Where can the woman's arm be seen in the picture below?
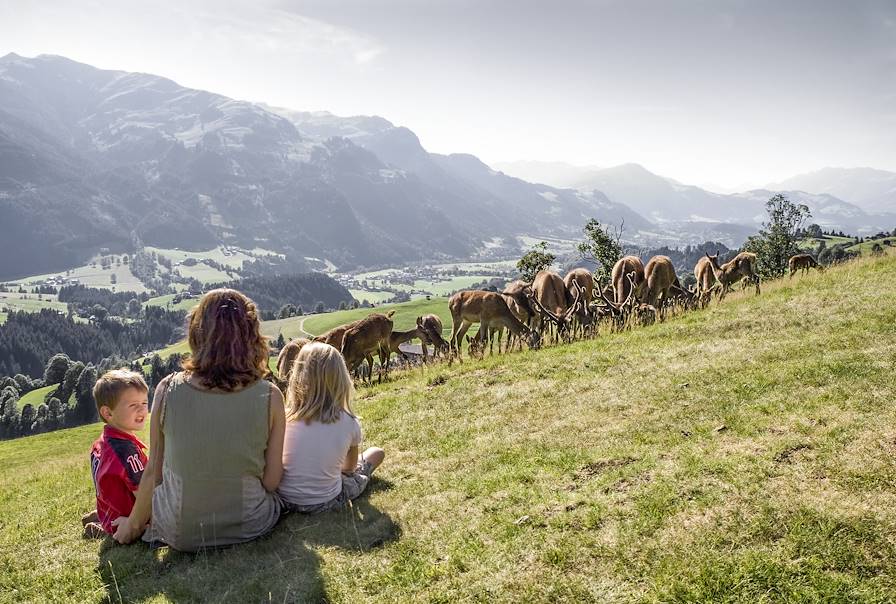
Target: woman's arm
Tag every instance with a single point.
(128, 529)
(273, 455)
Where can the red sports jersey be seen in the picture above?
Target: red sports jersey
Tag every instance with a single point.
(116, 460)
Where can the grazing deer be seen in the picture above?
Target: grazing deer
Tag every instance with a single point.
(582, 281)
(516, 295)
(549, 296)
(706, 279)
(394, 342)
(740, 268)
(488, 309)
(285, 359)
(366, 337)
(659, 277)
(618, 311)
(625, 266)
(430, 327)
(803, 262)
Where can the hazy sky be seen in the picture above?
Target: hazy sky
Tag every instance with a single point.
(734, 93)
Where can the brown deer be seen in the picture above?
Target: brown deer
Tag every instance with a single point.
(740, 268)
(431, 333)
(516, 295)
(394, 342)
(285, 359)
(627, 265)
(803, 262)
(659, 277)
(365, 338)
(618, 311)
(582, 281)
(549, 296)
(706, 279)
(488, 309)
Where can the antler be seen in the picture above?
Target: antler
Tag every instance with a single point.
(544, 310)
(575, 303)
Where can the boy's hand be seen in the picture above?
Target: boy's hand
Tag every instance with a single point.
(124, 532)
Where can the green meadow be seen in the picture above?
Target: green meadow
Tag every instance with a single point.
(742, 453)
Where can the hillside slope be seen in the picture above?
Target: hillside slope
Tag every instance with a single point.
(742, 453)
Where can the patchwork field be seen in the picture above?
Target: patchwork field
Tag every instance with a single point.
(95, 276)
(743, 453)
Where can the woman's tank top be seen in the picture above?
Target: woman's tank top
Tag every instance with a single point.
(211, 492)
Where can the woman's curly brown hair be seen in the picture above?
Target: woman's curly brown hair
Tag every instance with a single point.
(227, 350)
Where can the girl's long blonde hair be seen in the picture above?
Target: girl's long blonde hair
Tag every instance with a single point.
(320, 386)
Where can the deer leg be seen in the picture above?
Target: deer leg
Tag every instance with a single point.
(464, 327)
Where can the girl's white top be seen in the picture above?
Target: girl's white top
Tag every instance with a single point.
(313, 455)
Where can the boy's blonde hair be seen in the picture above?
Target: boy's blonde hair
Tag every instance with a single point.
(110, 385)
(320, 386)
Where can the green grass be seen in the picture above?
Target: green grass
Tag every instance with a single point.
(165, 302)
(373, 297)
(13, 302)
(3, 317)
(36, 397)
(743, 453)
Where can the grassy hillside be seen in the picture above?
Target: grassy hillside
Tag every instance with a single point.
(744, 453)
(405, 316)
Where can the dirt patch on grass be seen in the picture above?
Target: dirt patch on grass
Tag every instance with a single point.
(596, 468)
(787, 454)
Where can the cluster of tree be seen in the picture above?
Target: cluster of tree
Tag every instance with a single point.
(82, 300)
(272, 292)
(28, 339)
(779, 237)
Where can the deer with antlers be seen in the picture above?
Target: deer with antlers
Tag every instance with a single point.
(550, 298)
(581, 281)
(627, 274)
(488, 309)
(803, 262)
(740, 268)
(366, 337)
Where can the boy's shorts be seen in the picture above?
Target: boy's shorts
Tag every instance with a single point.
(352, 486)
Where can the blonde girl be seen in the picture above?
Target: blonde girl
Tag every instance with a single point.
(321, 467)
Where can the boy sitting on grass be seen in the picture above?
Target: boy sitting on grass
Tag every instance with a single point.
(117, 458)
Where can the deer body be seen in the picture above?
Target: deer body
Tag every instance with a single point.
(285, 359)
(741, 267)
(489, 310)
(394, 342)
(622, 286)
(659, 276)
(802, 262)
(706, 279)
(366, 337)
(430, 327)
(550, 297)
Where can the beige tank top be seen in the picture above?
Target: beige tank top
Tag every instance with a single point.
(211, 492)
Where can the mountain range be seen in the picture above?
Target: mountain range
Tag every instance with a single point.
(858, 200)
(93, 159)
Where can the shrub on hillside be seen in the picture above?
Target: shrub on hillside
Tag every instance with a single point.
(779, 237)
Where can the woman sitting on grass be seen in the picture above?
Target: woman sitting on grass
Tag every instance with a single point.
(322, 470)
(216, 437)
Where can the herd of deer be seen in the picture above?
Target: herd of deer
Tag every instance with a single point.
(551, 307)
